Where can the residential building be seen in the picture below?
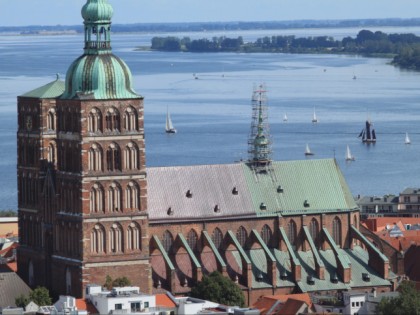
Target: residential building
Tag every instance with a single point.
(374, 206)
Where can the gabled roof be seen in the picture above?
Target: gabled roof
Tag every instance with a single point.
(162, 300)
(228, 190)
(50, 90)
(84, 305)
(11, 286)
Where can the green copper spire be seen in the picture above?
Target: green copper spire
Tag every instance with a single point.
(98, 74)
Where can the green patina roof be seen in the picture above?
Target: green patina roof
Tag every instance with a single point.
(319, 182)
(50, 90)
(97, 11)
(99, 77)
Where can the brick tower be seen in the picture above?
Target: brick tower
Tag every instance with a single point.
(88, 216)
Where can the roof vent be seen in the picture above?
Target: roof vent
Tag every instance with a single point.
(283, 275)
(189, 193)
(260, 277)
(234, 191)
(306, 204)
(263, 206)
(170, 211)
(279, 189)
(366, 277)
(334, 278)
(216, 209)
(311, 280)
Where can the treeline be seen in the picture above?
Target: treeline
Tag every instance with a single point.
(404, 48)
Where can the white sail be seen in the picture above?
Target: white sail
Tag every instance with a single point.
(407, 139)
(349, 157)
(169, 126)
(314, 119)
(285, 117)
(308, 150)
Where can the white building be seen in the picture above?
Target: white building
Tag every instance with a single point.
(124, 300)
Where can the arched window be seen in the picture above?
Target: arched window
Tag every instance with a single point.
(192, 239)
(355, 221)
(68, 281)
(95, 120)
(291, 232)
(114, 198)
(115, 239)
(133, 236)
(336, 231)
(217, 237)
(95, 158)
(51, 119)
(132, 195)
(242, 235)
(97, 240)
(130, 119)
(52, 153)
(112, 120)
(131, 157)
(167, 241)
(113, 159)
(314, 230)
(266, 234)
(96, 199)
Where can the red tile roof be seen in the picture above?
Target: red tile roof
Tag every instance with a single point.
(379, 224)
(292, 306)
(162, 300)
(83, 304)
(265, 303)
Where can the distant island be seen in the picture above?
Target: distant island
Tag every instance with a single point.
(403, 48)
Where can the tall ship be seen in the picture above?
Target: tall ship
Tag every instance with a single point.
(368, 134)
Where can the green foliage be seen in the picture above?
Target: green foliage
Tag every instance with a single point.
(40, 296)
(408, 302)
(22, 301)
(118, 282)
(219, 289)
(8, 213)
(121, 282)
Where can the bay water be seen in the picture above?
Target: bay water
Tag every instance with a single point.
(213, 113)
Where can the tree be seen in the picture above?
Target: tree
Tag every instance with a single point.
(40, 296)
(22, 301)
(219, 289)
(121, 282)
(108, 282)
(408, 302)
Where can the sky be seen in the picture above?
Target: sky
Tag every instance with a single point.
(67, 12)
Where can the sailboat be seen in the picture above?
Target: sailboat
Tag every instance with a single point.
(368, 134)
(314, 119)
(308, 151)
(169, 127)
(349, 156)
(407, 139)
(285, 117)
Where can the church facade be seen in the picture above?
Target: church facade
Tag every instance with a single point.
(89, 207)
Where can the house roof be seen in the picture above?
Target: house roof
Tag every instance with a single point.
(291, 306)
(50, 90)
(229, 190)
(163, 300)
(275, 304)
(11, 286)
(381, 223)
(84, 305)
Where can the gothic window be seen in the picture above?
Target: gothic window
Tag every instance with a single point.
(95, 158)
(336, 231)
(217, 238)
(96, 199)
(132, 196)
(51, 119)
(130, 119)
(133, 237)
(241, 235)
(192, 239)
(115, 238)
(266, 234)
(131, 157)
(114, 198)
(291, 232)
(52, 153)
(355, 221)
(113, 159)
(31, 278)
(68, 281)
(167, 241)
(95, 120)
(97, 240)
(112, 120)
(314, 230)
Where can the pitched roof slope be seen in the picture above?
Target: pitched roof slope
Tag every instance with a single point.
(229, 190)
(11, 286)
(50, 90)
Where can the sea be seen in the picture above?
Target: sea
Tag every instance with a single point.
(209, 98)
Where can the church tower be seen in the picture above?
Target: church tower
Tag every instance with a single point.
(98, 224)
